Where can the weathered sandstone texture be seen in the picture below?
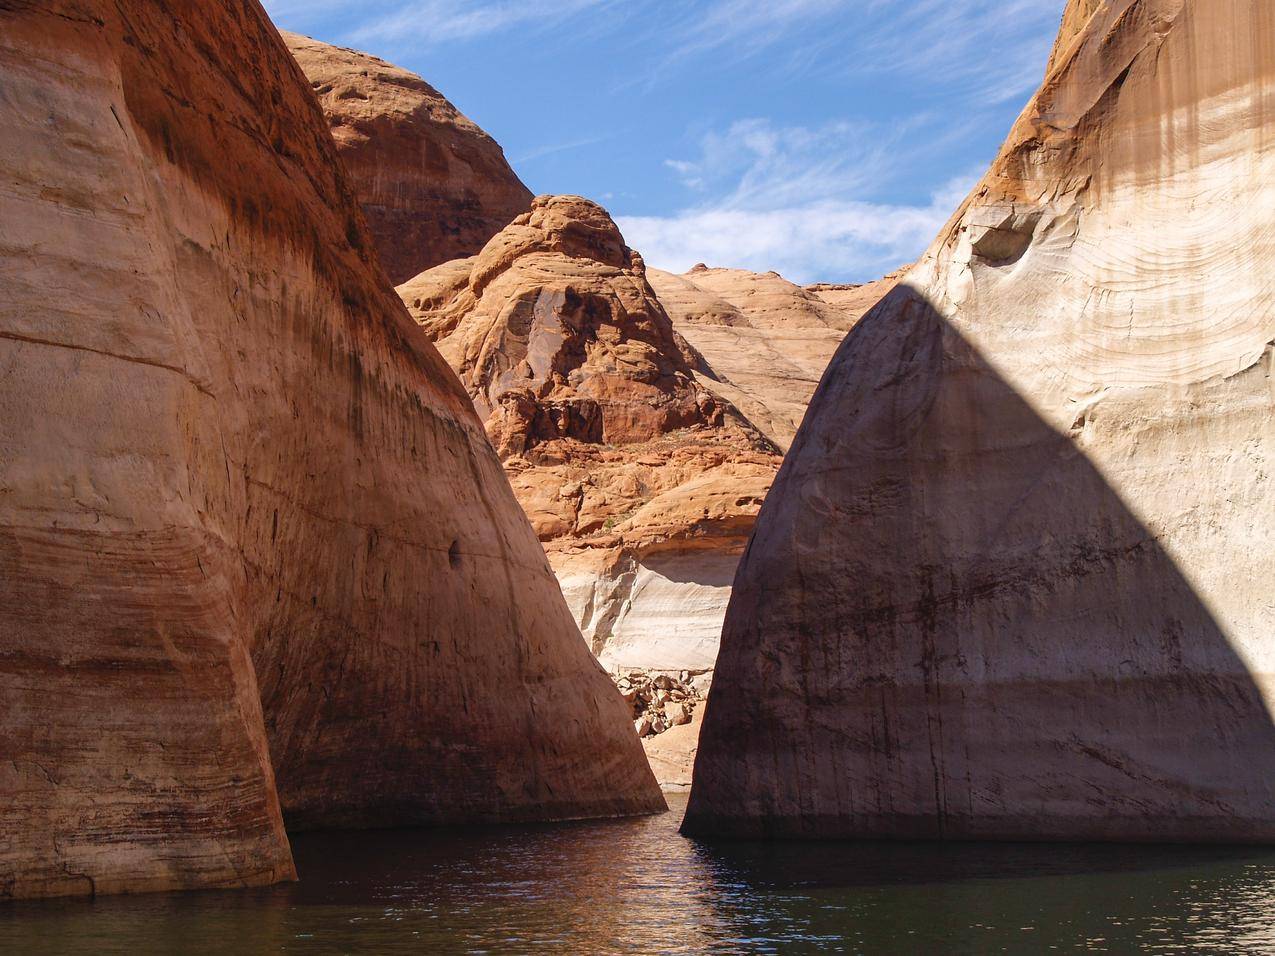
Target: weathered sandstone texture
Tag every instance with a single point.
(258, 560)
(765, 341)
(642, 484)
(433, 185)
(1012, 581)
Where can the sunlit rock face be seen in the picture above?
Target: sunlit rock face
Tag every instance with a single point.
(765, 341)
(1010, 580)
(432, 184)
(258, 561)
(641, 482)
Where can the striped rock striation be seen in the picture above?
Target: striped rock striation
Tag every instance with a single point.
(1009, 583)
(433, 185)
(258, 561)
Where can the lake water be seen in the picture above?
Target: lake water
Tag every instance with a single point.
(636, 886)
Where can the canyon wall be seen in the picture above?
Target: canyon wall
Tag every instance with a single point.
(645, 538)
(433, 185)
(1010, 581)
(258, 560)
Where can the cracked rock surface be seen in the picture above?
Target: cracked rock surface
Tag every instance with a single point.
(640, 481)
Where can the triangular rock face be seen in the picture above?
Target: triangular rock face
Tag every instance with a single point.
(1009, 582)
(258, 560)
(642, 484)
(433, 185)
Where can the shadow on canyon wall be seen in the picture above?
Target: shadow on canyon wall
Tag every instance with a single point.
(705, 567)
(949, 625)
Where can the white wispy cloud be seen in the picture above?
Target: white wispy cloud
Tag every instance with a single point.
(550, 149)
(989, 50)
(428, 22)
(941, 41)
(789, 199)
(801, 200)
(754, 163)
(918, 42)
(743, 27)
(814, 241)
(437, 21)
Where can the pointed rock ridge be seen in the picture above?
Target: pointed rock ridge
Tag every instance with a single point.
(765, 341)
(641, 483)
(433, 185)
(1076, 17)
(1004, 585)
(258, 560)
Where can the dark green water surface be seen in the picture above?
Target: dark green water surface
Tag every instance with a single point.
(636, 886)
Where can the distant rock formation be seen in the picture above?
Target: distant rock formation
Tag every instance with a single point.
(766, 341)
(1012, 579)
(642, 484)
(433, 185)
(624, 443)
(258, 560)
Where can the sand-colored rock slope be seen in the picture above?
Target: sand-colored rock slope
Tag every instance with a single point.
(433, 185)
(765, 341)
(642, 484)
(1013, 578)
(258, 560)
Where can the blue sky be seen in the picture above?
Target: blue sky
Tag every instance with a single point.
(825, 139)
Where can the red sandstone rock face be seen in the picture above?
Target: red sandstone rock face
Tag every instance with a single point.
(641, 482)
(558, 336)
(433, 185)
(1004, 584)
(258, 560)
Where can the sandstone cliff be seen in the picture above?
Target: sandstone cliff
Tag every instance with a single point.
(258, 560)
(765, 341)
(433, 185)
(1009, 582)
(641, 483)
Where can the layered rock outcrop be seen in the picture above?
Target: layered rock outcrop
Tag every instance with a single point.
(433, 185)
(765, 341)
(641, 483)
(1008, 582)
(258, 560)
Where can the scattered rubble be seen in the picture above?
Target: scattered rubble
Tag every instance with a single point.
(661, 700)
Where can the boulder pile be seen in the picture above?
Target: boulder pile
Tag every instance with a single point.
(661, 700)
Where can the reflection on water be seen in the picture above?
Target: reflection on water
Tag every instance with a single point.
(636, 886)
